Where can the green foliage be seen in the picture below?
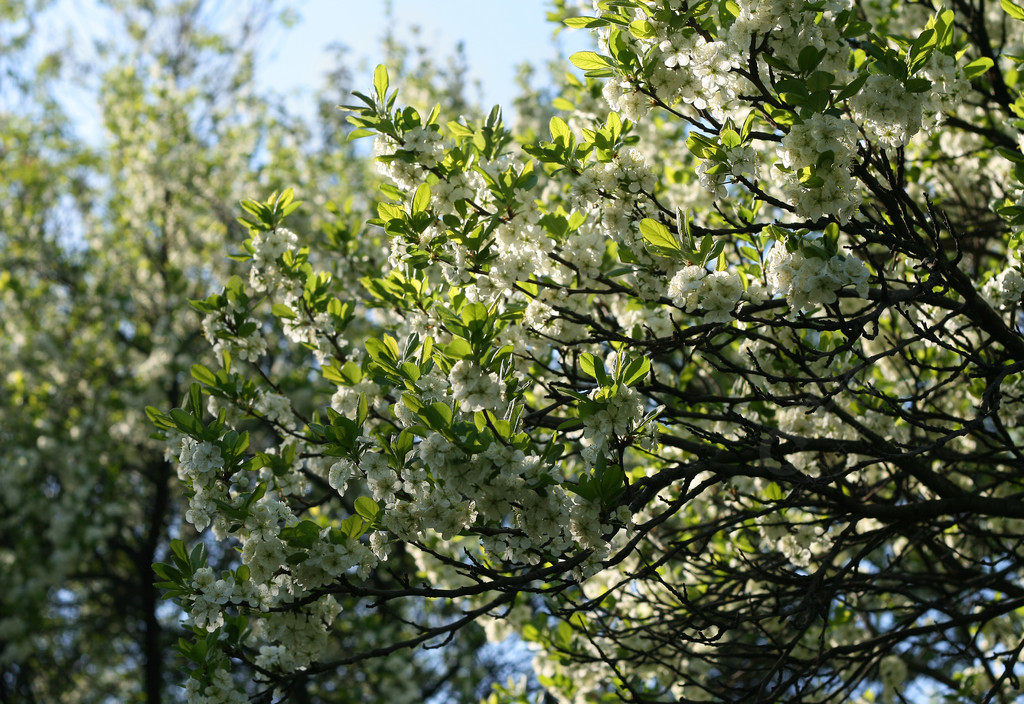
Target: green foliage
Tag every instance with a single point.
(747, 408)
(265, 217)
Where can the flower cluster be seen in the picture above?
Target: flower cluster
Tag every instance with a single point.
(826, 145)
(717, 293)
(474, 389)
(618, 410)
(1005, 289)
(808, 281)
(267, 249)
(221, 331)
(221, 690)
(627, 99)
(407, 163)
(198, 465)
(891, 114)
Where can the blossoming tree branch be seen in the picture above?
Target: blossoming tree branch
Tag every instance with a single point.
(709, 392)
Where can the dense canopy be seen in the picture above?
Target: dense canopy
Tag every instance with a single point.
(701, 381)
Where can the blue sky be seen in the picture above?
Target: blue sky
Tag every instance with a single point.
(498, 35)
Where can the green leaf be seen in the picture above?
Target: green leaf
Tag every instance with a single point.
(195, 397)
(302, 535)
(584, 22)
(635, 371)
(976, 68)
(426, 350)
(944, 28)
(925, 40)
(392, 346)
(286, 197)
(781, 116)
(197, 558)
(421, 201)
(700, 146)
(773, 492)
(186, 423)
(559, 130)
(576, 220)
(438, 416)
(748, 126)
(367, 508)
(1010, 154)
(165, 571)
(611, 483)
(853, 87)
(808, 179)
(410, 370)
(203, 375)
(459, 348)
(377, 350)
(590, 61)
(389, 211)
(820, 80)
(353, 526)
(919, 85)
(280, 310)
(258, 493)
(1012, 9)
(412, 403)
(362, 409)
(642, 29)
(658, 235)
(380, 81)
(730, 139)
(592, 366)
(856, 28)
(351, 373)
(475, 316)
(809, 58)
(499, 354)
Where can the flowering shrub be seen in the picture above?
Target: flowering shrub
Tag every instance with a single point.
(729, 423)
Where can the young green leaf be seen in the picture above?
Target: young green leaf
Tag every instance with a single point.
(1012, 9)
(635, 371)
(421, 201)
(380, 82)
(367, 508)
(658, 235)
(590, 61)
(977, 67)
